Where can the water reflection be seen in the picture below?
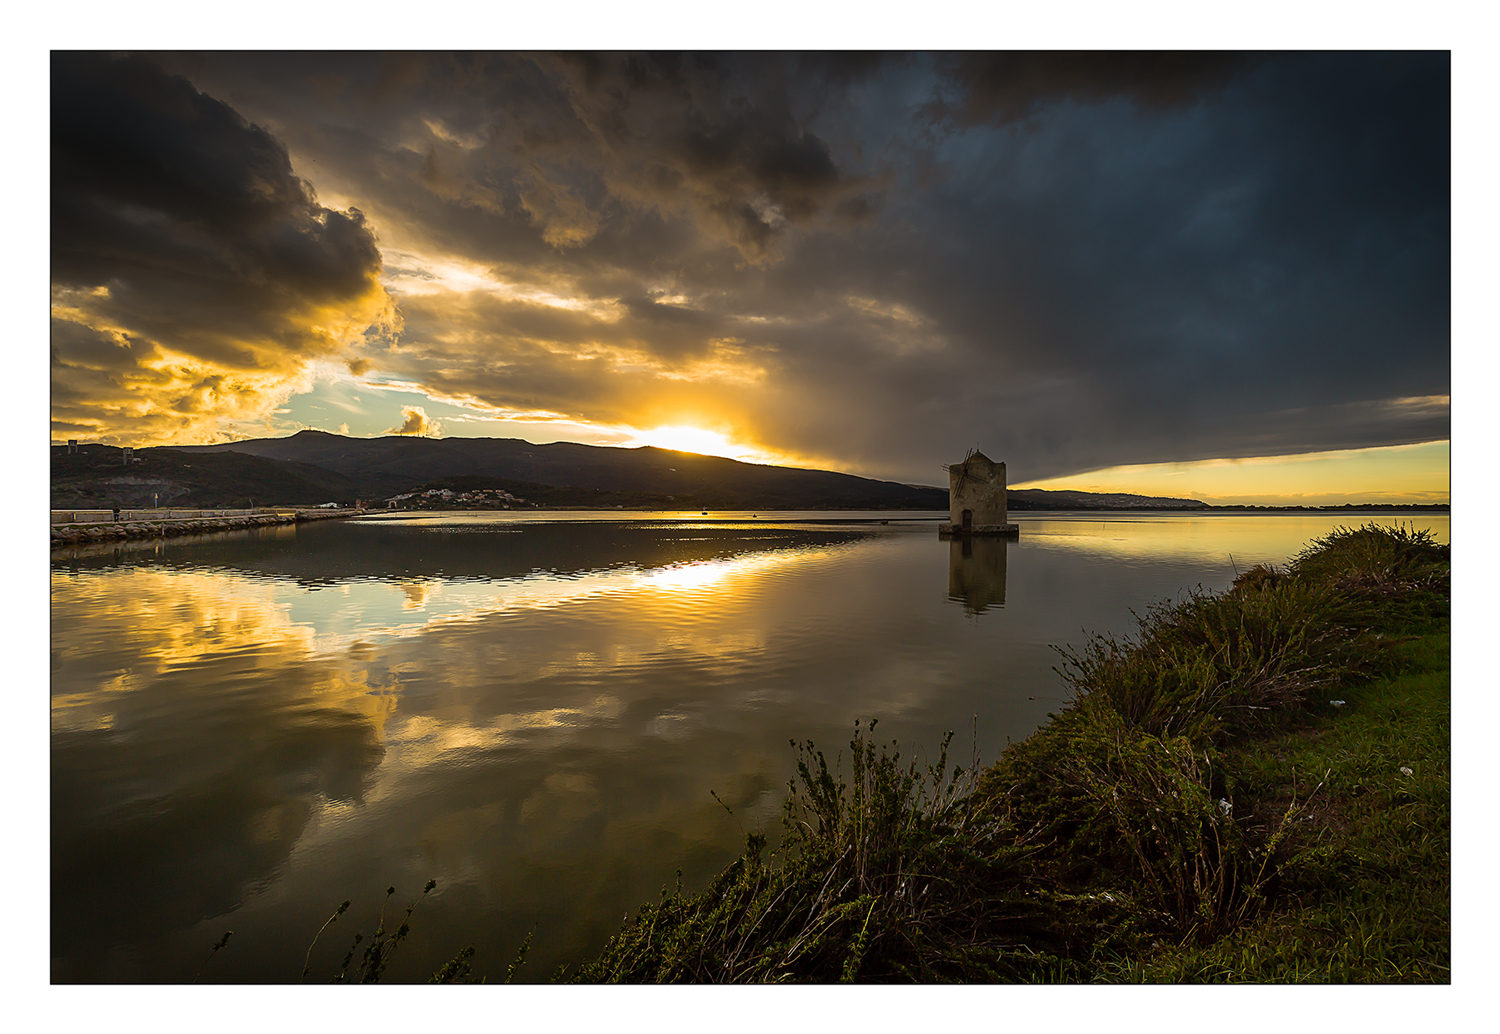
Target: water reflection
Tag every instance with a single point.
(182, 777)
(533, 716)
(219, 727)
(334, 553)
(976, 572)
(1250, 539)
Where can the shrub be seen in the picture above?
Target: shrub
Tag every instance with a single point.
(1372, 553)
(1258, 577)
(1399, 573)
(893, 875)
(1213, 665)
(1140, 821)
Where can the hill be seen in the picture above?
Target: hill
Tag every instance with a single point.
(96, 477)
(1044, 499)
(384, 467)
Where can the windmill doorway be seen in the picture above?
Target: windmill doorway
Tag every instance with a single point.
(968, 520)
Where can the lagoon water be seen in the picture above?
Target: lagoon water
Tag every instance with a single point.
(530, 709)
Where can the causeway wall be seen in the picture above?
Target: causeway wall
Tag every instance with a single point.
(86, 526)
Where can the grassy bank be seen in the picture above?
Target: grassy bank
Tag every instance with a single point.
(1363, 889)
(1253, 787)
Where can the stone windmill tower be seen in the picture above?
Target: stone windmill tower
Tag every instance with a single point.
(976, 497)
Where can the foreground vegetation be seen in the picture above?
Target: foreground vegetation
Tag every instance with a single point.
(1252, 788)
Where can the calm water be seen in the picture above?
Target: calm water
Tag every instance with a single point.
(248, 729)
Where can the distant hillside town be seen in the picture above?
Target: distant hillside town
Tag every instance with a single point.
(443, 498)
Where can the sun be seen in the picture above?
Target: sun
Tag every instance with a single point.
(684, 438)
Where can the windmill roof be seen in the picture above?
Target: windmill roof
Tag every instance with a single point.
(977, 455)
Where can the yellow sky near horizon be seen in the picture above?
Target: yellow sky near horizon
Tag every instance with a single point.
(1418, 473)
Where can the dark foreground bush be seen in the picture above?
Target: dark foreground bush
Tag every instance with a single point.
(1399, 557)
(1221, 664)
(1146, 824)
(1401, 573)
(893, 875)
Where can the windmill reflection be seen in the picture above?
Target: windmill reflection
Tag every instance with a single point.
(976, 572)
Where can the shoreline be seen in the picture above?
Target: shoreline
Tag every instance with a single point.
(89, 532)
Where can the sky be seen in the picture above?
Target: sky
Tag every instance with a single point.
(1222, 276)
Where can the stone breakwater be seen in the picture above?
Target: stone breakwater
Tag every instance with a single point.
(71, 534)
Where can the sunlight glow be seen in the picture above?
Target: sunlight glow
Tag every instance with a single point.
(685, 438)
(412, 275)
(690, 577)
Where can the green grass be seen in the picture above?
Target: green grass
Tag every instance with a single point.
(1363, 889)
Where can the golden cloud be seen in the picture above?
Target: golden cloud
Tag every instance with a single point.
(194, 276)
(414, 421)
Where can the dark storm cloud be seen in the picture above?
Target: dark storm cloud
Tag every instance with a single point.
(1075, 260)
(1232, 279)
(1002, 88)
(694, 129)
(550, 151)
(652, 311)
(178, 225)
(149, 175)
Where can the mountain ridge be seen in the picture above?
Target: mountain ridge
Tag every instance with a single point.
(312, 466)
(394, 463)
